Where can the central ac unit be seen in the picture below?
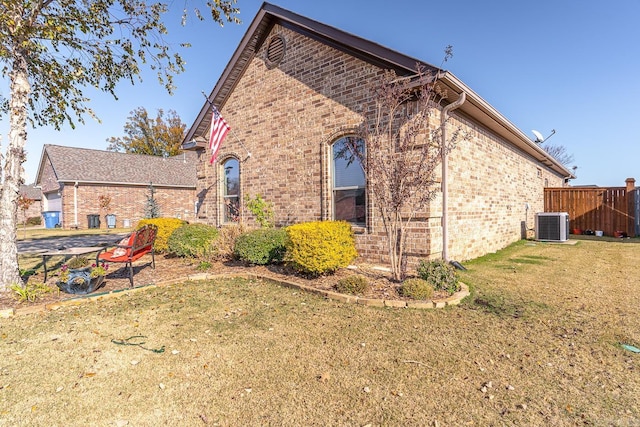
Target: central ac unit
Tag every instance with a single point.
(552, 226)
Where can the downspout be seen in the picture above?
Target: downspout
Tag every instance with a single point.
(75, 204)
(443, 123)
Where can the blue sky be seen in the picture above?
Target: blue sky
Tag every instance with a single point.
(568, 65)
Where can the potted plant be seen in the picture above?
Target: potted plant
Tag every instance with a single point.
(79, 276)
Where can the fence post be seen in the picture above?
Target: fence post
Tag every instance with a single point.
(631, 206)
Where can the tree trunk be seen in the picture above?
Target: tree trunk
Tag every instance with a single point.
(15, 156)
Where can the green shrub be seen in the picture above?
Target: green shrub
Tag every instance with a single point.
(354, 285)
(416, 289)
(320, 247)
(166, 226)
(441, 275)
(262, 246)
(192, 240)
(34, 220)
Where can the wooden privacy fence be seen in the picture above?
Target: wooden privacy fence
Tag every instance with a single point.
(610, 209)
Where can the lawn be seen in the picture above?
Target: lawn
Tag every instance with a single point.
(537, 343)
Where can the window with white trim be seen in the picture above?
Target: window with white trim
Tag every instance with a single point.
(230, 190)
(349, 183)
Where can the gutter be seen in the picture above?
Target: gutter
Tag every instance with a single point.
(443, 124)
(518, 138)
(75, 203)
(133, 184)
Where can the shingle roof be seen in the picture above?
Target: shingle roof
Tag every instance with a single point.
(31, 192)
(72, 164)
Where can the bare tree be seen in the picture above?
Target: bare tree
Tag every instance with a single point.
(559, 152)
(400, 154)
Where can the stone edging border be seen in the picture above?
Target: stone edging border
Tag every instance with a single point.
(454, 299)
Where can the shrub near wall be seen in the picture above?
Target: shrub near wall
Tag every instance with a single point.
(440, 274)
(261, 247)
(192, 240)
(166, 226)
(320, 247)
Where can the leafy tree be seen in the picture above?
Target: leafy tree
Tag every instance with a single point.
(145, 135)
(559, 152)
(402, 149)
(50, 51)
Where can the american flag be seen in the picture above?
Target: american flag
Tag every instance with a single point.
(219, 129)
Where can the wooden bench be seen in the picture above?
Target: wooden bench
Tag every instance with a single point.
(132, 248)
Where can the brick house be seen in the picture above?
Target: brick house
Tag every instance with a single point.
(35, 209)
(295, 87)
(72, 180)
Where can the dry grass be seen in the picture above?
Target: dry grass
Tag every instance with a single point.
(536, 344)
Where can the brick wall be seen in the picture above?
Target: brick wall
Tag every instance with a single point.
(48, 181)
(490, 186)
(35, 210)
(288, 116)
(127, 202)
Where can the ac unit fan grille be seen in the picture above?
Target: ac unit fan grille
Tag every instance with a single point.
(552, 226)
(549, 227)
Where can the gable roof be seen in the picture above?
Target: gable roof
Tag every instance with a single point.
(269, 15)
(72, 164)
(31, 192)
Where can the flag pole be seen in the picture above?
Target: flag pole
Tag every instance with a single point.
(231, 131)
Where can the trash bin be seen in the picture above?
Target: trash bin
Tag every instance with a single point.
(111, 220)
(51, 219)
(93, 221)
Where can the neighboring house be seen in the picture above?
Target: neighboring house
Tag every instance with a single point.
(73, 179)
(295, 87)
(35, 210)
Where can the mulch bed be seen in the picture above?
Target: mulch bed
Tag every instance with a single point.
(171, 268)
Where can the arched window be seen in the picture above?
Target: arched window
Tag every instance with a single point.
(349, 183)
(230, 190)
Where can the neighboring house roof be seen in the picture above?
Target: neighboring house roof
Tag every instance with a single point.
(31, 192)
(72, 164)
(270, 15)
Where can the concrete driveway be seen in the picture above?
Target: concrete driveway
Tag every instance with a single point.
(53, 243)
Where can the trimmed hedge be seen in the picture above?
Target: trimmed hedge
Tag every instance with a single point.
(261, 247)
(320, 247)
(166, 227)
(192, 240)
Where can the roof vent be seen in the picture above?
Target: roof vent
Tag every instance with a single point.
(275, 51)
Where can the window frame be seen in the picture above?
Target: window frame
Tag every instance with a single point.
(335, 189)
(226, 216)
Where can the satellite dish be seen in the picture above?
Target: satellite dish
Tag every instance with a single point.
(539, 137)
